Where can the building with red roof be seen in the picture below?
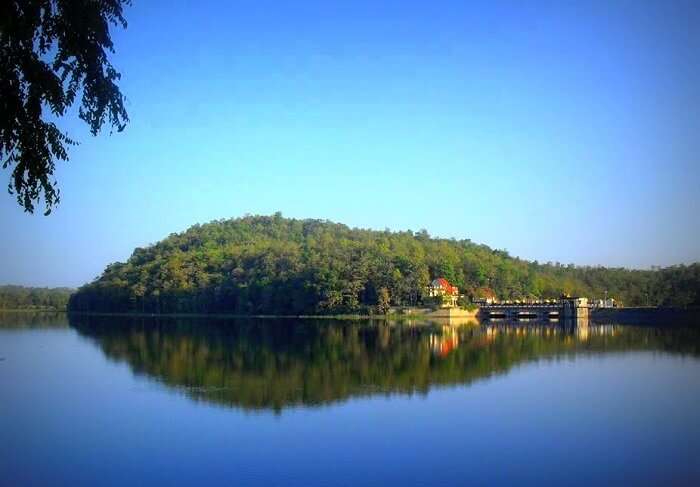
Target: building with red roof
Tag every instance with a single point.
(442, 287)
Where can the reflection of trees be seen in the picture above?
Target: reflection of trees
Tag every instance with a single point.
(277, 363)
(32, 319)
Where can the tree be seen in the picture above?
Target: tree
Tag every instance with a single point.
(383, 301)
(19, 297)
(51, 52)
(276, 265)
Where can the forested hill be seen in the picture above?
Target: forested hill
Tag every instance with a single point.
(276, 265)
(35, 298)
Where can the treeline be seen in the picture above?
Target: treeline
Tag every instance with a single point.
(39, 298)
(276, 265)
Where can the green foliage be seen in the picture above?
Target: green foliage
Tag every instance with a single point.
(51, 51)
(433, 301)
(463, 303)
(383, 301)
(38, 298)
(274, 265)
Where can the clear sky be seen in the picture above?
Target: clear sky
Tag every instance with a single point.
(560, 131)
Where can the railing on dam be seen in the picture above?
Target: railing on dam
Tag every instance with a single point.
(568, 308)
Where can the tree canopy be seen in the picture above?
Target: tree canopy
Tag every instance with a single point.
(275, 265)
(39, 298)
(52, 52)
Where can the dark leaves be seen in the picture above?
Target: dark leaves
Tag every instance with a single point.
(51, 52)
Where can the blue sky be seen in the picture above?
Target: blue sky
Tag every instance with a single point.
(560, 131)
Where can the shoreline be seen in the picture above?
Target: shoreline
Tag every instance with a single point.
(25, 310)
(396, 317)
(641, 316)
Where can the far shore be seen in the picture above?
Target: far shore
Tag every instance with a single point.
(392, 316)
(642, 316)
(36, 310)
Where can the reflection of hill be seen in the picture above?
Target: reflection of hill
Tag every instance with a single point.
(32, 319)
(278, 363)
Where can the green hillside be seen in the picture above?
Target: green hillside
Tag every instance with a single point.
(276, 265)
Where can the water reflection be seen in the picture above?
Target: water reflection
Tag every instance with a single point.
(273, 364)
(23, 320)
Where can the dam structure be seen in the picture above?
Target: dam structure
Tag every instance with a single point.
(565, 308)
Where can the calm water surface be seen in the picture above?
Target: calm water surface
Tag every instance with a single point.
(126, 401)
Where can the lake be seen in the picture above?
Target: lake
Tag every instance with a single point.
(90, 400)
